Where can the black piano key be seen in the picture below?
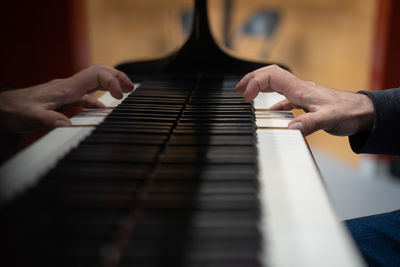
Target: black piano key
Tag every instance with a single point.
(198, 233)
(207, 172)
(180, 154)
(212, 154)
(192, 186)
(115, 153)
(212, 140)
(114, 171)
(225, 202)
(123, 138)
(134, 128)
(136, 124)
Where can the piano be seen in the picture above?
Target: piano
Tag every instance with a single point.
(181, 172)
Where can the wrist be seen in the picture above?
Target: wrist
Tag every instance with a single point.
(365, 114)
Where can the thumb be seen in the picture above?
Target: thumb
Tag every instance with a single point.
(50, 119)
(307, 123)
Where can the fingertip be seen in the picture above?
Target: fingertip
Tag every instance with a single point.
(99, 104)
(251, 91)
(127, 86)
(130, 87)
(243, 83)
(117, 95)
(239, 87)
(246, 97)
(298, 125)
(61, 123)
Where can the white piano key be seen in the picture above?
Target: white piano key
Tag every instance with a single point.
(25, 169)
(92, 117)
(266, 100)
(108, 100)
(299, 223)
(270, 119)
(272, 122)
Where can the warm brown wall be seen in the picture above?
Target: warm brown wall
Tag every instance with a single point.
(41, 40)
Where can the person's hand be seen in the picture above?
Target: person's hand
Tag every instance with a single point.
(22, 110)
(337, 112)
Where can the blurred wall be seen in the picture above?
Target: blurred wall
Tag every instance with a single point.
(328, 41)
(121, 30)
(41, 40)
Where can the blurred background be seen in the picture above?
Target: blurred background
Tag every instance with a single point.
(338, 43)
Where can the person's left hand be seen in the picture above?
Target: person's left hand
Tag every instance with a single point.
(23, 110)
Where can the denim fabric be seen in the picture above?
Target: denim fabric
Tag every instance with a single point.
(378, 238)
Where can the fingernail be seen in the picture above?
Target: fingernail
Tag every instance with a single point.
(60, 123)
(296, 126)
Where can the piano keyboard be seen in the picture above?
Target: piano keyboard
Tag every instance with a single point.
(179, 174)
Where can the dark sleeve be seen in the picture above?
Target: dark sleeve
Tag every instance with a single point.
(384, 138)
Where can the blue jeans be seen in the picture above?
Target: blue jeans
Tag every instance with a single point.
(378, 238)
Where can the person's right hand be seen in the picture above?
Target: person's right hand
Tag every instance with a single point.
(23, 110)
(337, 112)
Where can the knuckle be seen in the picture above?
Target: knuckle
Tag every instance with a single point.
(311, 83)
(300, 95)
(274, 67)
(97, 65)
(249, 75)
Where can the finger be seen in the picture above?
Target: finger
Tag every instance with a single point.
(252, 90)
(107, 81)
(242, 84)
(274, 78)
(307, 123)
(49, 119)
(88, 101)
(283, 105)
(126, 84)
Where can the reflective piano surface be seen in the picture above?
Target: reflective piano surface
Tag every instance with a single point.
(298, 225)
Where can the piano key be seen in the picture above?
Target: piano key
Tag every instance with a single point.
(115, 153)
(213, 140)
(195, 174)
(209, 172)
(205, 187)
(206, 202)
(101, 171)
(124, 138)
(201, 218)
